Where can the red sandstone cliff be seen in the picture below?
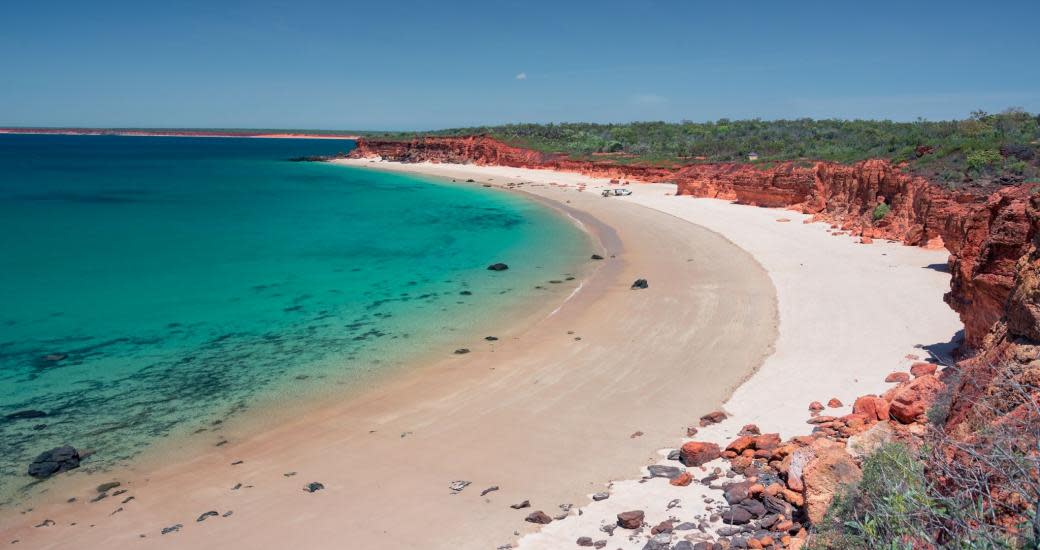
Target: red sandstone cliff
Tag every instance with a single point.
(985, 234)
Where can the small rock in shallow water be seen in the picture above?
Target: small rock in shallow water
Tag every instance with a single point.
(56, 460)
(597, 257)
(313, 486)
(26, 414)
(461, 351)
(491, 338)
(498, 267)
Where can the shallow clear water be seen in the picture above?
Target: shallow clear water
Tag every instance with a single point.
(181, 280)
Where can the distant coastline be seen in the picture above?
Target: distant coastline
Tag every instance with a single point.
(177, 133)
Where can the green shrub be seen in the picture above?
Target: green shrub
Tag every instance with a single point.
(891, 507)
(983, 159)
(880, 211)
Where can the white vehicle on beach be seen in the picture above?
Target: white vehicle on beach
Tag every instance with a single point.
(616, 192)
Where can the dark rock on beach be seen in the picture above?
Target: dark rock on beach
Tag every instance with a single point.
(171, 529)
(538, 517)
(630, 520)
(524, 504)
(462, 351)
(210, 514)
(640, 284)
(56, 460)
(107, 486)
(498, 267)
(597, 257)
(313, 487)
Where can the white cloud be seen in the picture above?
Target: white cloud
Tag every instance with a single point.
(521, 76)
(649, 99)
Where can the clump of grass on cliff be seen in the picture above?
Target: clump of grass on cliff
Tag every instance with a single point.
(880, 211)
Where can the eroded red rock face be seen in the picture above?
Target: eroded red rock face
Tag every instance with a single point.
(985, 234)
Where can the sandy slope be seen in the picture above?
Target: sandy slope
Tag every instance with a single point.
(546, 414)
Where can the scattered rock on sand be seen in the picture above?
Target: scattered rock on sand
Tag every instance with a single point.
(524, 504)
(632, 519)
(696, 453)
(498, 267)
(488, 490)
(491, 338)
(458, 485)
(171, 529)
(107, 486)
(713, 417)
(600, 496)
(313, 486)
(682, 480)
(597, 257)
(210, 514)
(538, 517)
(834, 403)
(461, 351)
(584, 541)
(921, 369)
(669, 472)
(897, 377)
(640, 284)
(56, 460)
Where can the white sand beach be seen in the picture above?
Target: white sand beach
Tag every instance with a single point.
(741, 309)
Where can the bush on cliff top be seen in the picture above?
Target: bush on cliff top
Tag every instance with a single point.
(932, 148)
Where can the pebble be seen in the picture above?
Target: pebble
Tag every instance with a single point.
(313, 486)
(600, 496)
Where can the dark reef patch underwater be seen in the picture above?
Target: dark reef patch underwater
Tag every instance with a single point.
(150, 287)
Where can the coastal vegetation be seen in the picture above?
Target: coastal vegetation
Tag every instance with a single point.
(1002, 148)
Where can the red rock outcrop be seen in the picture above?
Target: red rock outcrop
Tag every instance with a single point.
(985, 234)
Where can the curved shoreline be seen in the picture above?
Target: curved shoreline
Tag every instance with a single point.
(547, 416)
(849, 313)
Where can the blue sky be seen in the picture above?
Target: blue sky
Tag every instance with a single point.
(420, 65)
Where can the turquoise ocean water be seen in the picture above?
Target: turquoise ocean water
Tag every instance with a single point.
(149, 286)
